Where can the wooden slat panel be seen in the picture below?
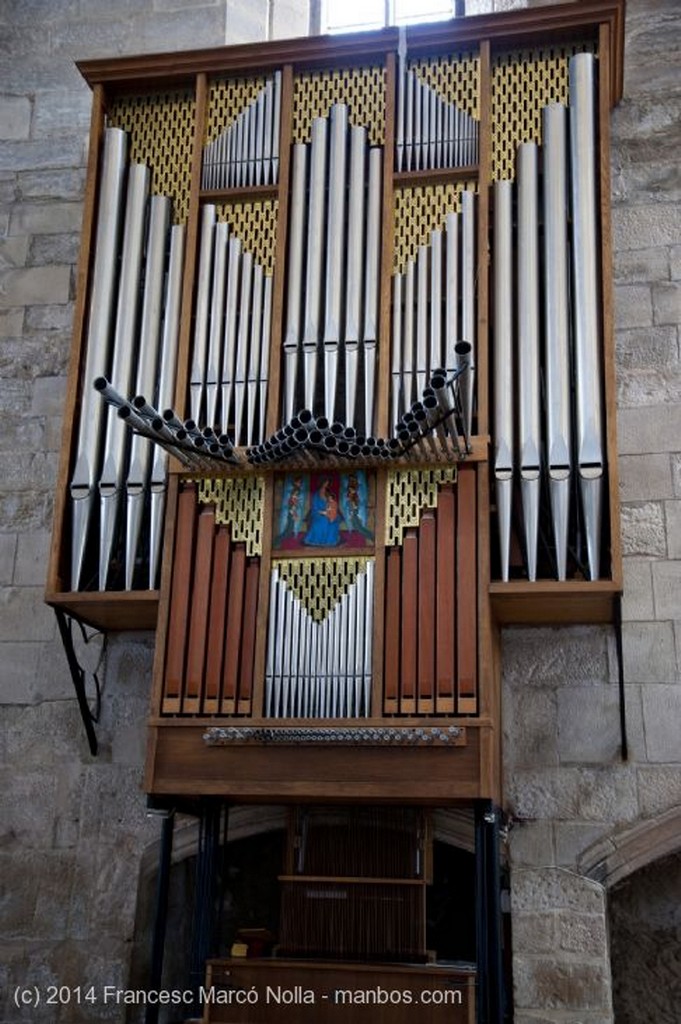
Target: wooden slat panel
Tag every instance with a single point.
(198, 612)
(466, 595)
(216, 621)
(392, 632)
(445, 628)
(179, 599)
(410, 556)
(426, 614)
(244, 705)
(235, 607)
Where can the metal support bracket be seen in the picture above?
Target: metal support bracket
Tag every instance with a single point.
(78, 674)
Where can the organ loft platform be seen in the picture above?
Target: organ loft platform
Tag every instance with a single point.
(342, 394)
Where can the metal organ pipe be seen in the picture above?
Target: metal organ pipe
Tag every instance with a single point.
(314, 252)
(588, 387)
(335, 253)
(98, 342)
(166, 387)
(125, 337)
(295, 275)
(556, 327)
(355, 261)
(503, 365)
(198, 371)
(150, 337)
(528, 350)
(372, 282)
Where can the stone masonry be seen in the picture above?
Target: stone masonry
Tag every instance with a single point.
(73, 827)
(566, 786)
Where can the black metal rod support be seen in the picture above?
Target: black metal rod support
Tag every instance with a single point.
(490, 992)
(161, 915)
(78, 677)
(624, 744)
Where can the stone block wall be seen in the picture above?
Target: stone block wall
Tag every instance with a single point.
(72, 827)
(566, 786)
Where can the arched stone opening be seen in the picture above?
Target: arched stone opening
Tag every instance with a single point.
(640, 867)
(644, 915)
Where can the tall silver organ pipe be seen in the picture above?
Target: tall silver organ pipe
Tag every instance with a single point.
(371, 284)
(149, 343)
(329, 674)
(98, 340)
(528, 349)
(588, 384)
(557, 370)
(295, 276)
(331, 319)
(216, 329)
(503, 365)
(335, 254)
(247, 151)
(125, 338)
(166, 389)
(354, 276)
(468, 276)
(230, 328)
(314, 261)
(197, 380)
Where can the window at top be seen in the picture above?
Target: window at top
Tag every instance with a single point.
(361, 15)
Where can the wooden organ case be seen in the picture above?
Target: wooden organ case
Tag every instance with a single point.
(347, 304)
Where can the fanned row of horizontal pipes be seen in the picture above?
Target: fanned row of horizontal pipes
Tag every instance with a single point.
(567, 287)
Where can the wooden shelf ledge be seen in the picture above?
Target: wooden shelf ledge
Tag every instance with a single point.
(550, 602)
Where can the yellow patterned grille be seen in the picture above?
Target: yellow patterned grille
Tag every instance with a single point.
(239, 504)
(523, 82)
(226, 99)
(161, 130)
(455, 78)
(418, 212)
(319, 583)
(255, 223)
(408, 493)
(362, 89)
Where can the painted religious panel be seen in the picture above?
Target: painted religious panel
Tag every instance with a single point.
(324, 511)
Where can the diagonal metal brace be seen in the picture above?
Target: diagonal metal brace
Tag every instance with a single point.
(89, 717)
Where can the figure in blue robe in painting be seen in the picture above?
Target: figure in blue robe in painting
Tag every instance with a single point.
(325, 518)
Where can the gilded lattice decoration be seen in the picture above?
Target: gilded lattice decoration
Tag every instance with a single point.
(455, 78)
(523, 82)
(227, 97)
(408, 493)
(418, 212)
(239, 504)
(319, 583)
(255, 223)
(362, 89)
(161, 130)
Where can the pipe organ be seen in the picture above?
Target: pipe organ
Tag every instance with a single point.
(342, 393)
